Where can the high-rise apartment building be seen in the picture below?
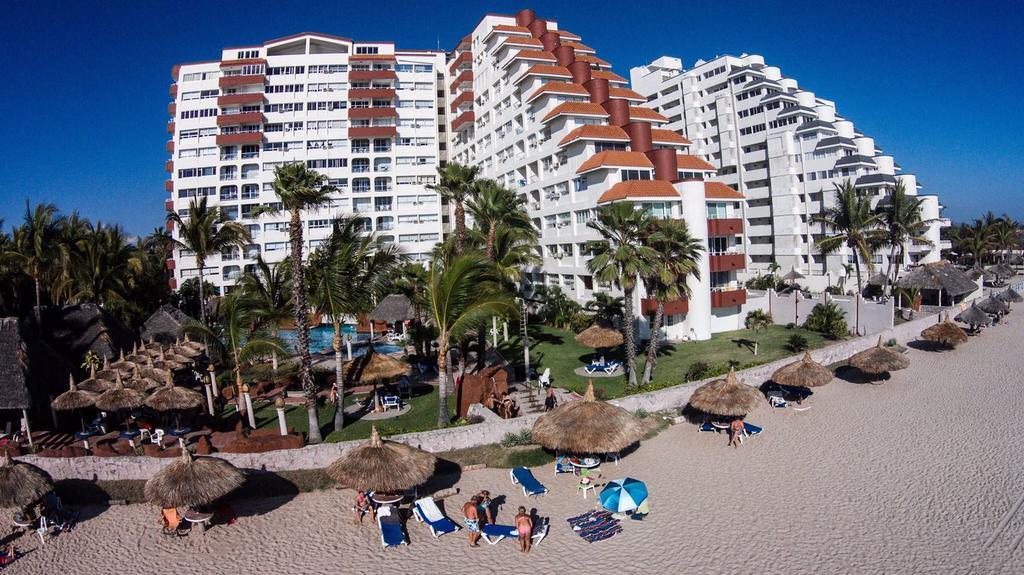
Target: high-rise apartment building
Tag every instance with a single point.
(369, 117)
(540, 113)
(784, 148)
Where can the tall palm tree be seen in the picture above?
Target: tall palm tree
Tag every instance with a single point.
(455, 184)
(462, 292)
(853, 225)
(493, 206)
(1006, 237)
(901, 224)
(605, 308)
(267, 288)
(346, 272)
(103, 264)
(676, 259)
(205, 231)
(36, 246)
(620, 257)
(300, 188)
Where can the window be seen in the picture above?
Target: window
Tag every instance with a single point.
(325, 106)
(367, 49)
(284, 88)
(717, 210)
(331, 163)
(245, 54)
(286, 70)
(319, 224)
(328, 69)
(635, 175)
(205, 113)
(197, 172)
(289, 107)
(194, 76)
(580, 183)
(275, 246)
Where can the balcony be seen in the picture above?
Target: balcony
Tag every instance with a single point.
(649, 306)
(239, 138)
(236, 81)
(373, 132)
(464, 76)
(357, 75)
(244, 118)
(173, 92)
(169, 147)
(725, 227)
(728, 297)
(727, 262)
(372, 113)
(170, 127)
(463, 58)
(170, 264)
(463, 119)
(371, 93)
(168, 185)
(465, 97)
(169, 166)
(240, 99)
(172, 109)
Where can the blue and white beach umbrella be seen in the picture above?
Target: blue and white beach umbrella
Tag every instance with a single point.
(623, 495)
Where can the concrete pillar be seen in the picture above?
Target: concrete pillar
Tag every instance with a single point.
(695, 213)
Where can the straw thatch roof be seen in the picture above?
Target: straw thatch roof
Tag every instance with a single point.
(803, 373)
(77, 329)
(939, 275)
(193, 481)
(993, 305)
(879, 359)
(31, 372)
(973, 316)
(599, 337)
(381, 465)
(944, 333)
(119, 398)
(878, 280)
(374, 367)
(1001, 270)
(140, 382)
(587, 426)
(793, 275)
(165, 325)
(22, 484)
(174, 398)
(121, 364)
(73, 398)
(1010, 295)
(727, 397)
(978, 272)
(393, 308)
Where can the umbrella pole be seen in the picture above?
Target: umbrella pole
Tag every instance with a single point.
(28, 429)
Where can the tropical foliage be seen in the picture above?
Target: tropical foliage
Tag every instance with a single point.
(828, 320)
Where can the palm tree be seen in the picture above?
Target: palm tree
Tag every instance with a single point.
(455, 184)
(206, 231)
(103, 264)
(411, 281)
(901, 224)
(346, 273)
(621, 258)
(493, 206)
(854, 226)
(267, 289)
(757, 321)
(300, 188)
(976, 241)
(462, 292)
(35, 246)
(1005, 236)
(605, 309)
(676, 258)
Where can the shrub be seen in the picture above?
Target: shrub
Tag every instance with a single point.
(790, 325)
(514, 438)
(767, 282)
(697, 370)
(834, 290)
(641, 413)
(796, 343)
(828, 320)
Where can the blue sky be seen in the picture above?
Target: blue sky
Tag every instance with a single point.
(85, 95)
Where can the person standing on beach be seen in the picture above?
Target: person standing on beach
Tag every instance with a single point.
(485, 506)
(471, 510)
(735, 429)
(524, 525)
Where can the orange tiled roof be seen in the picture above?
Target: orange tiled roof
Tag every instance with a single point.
(520, 41)
(616, 159)
(567, 34)
(641, 113)
(576, 109)
(535, 55)
(688, 162)
(546, 70)
(625, 94)
(639, 189)
(720, 191)
(511, 29)
(578, 46)
(558, 88)
(592, 60)
(594, 132)
(668, 137)
(607, 75)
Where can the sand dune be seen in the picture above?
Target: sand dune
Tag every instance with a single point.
(917, 475)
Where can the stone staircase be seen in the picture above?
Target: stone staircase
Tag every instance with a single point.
(529, 402)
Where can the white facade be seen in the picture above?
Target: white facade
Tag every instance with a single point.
(784, 148)
(364, 114)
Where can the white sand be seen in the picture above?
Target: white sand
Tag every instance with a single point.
(912, 476)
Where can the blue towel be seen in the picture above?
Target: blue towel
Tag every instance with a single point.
(528, 481)
(392, 533)
(492, 530)
(751, 429)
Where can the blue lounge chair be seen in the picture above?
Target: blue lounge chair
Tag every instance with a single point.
(562, 465)
(751, 430)
(522, 477)
(391, 534)
(495, 533)
(426, 511)
(593, 367)
(706, 426)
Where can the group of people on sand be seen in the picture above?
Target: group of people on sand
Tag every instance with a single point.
(480, 510)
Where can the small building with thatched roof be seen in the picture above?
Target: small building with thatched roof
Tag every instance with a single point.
(726, 397)
(166, 325)
(78, 329)
(393, 309)
(940, 283)
(31, 372)
(587, 426)
(373, 367)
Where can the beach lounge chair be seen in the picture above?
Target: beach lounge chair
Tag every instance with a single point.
(706, 426)
(750, 429)
(391, 402)
(391, 534)
(590, 368)
(426, 511)
(777, 401)
(611, 366)
(522, 477)
(494, 533)
(562, 465)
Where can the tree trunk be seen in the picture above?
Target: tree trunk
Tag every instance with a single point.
(492, 232)
(481, 348)
(888, 273)
(652, 346)
(339, 379)
(856, 265)
(39, 310)
(443, 373)
(200, 262)
(460, 227)
(627, 309)
(239, 400)
(301, 316)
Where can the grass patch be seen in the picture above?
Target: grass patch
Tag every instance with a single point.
(499, 457)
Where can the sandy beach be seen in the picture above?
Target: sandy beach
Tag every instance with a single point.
(916, 475)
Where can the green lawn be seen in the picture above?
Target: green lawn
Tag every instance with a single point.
(556, 349)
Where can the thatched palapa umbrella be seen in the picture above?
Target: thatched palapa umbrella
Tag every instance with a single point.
(196, 345)
(22, 484)
(793, 275)
(153, 372)
(1010, 295)
(373, 367)
(106, 372)
(193, 481)
(973, 316)
(600, 337)
(944, 333)
(119, 398)
(121, 364)
(994, 305)
(93, 384)
(587, 426)
(140, 382)
(171, 397)
(726, 397)
(73, 399)
(803, 373)
(879, 359)
(382, 466)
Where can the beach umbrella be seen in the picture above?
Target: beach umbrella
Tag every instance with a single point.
(140, 382)
(1002, 270)
(793, 275)
(879, 359)
(162, 362)
(382, 465)
(121, 364)
(623, 495)
(192, 481)
(153, 372)
(172, 397)
(878, 280)
(587, 426)
(22, 484)
(726, 397)
(600, 337)
(803, 373)
(198, 346)
(373, 367)
(93, 384)
(106, 372)
(979, 272)
(944, 333)
(186, 351)
(137, 357)
(993, 305)
(73, 398)
(119, 398)
(1010, 295)
(973, 316)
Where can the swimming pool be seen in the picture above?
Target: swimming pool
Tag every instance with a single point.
(321, 336)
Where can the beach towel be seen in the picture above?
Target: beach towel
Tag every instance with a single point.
(594, 526)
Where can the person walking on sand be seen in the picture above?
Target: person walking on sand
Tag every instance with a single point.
(735, 429)
(487, 514)
(524, 525)
(471, 510)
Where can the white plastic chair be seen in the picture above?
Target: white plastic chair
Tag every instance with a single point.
(391, 401)
(586, 484)
(612, 457)
(545, 378)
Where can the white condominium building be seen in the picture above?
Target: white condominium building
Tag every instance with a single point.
(784, 148)
(369, 117)
(539, 112)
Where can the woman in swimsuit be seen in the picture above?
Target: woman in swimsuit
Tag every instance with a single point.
(485, 506)
(524, 525)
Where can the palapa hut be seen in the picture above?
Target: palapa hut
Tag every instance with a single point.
(31, 373)
(977, 272)
(166, 325)
(373, 367)
(803, 373)
(1010, 295)
(974, 317)
(119, 398)
(172, 397)
(382, 466)
(587, 426)
(73, 398)
(1002, 271)
(792, 275)
(21, 484)
(77, 329)
(600, 337)
(993, 305)
(140, 382)
(726, 397)
(879, 359)
(192, 481)
(945, 334)
(393, 309)
(940, 283)
(94, 384)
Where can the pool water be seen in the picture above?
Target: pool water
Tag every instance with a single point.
(320, 339)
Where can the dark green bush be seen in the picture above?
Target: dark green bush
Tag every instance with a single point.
(796, 343)
(828, 320)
